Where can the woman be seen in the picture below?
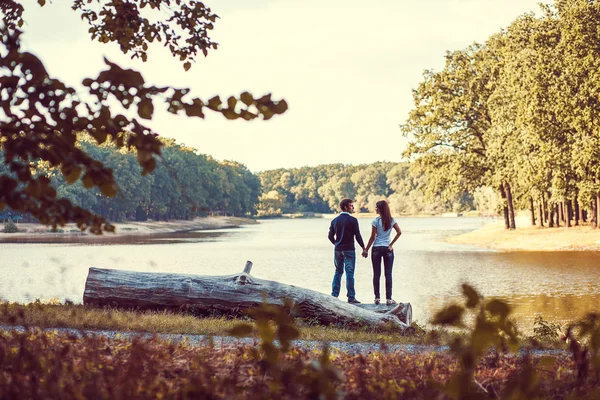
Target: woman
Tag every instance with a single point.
(382, 249)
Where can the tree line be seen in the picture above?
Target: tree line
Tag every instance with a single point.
(183, 185)
(519, 114)
(320, 189)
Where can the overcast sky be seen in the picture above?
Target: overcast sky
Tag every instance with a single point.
(345, 67)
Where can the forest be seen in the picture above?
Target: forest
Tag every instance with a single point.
(183, 185)
(519, 114)
(319, 189)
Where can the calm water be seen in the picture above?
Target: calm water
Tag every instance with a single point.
(427, 271)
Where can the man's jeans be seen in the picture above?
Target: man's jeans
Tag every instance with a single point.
(344, 260)
(377, 254)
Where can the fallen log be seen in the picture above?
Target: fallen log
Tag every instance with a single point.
(230, 294)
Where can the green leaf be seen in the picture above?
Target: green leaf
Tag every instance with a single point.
(288, 332)
(145, 109)
(231, 102)
(108, 189)
(449, 315)
(72, 174)
(247, 98)
(88, 181)
(241, 330)
(471, 294)
(498, 307)
(214, 103)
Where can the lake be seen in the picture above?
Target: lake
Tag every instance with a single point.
(427, 272)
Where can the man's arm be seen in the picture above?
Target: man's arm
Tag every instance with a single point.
(359, 238)
(331, 235)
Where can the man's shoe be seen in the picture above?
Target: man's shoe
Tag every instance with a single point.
(390, 302)
(377, 301)
(353, 300)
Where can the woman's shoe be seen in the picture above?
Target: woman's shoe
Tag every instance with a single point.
(377, 301)
(390, 302)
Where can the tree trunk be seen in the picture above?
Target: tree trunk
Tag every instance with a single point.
(509, 203)
(532, 209)
(561, 212)
(569, 212)
(597, 211)
(541, 213)
(593, 220)
(504, 208)
(557, 215)
(230, 294)
(550, 215)
(546, 210)
(577, 211)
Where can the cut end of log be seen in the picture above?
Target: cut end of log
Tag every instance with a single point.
(248, 267)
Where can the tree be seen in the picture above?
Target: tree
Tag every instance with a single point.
(43, 117)
(449, 124)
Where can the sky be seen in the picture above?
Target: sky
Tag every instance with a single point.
(346, 69)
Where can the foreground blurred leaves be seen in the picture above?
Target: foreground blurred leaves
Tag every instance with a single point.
(43, 118)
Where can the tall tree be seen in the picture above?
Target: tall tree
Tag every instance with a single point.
(43, 117)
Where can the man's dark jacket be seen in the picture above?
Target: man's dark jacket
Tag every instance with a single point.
(342, 231)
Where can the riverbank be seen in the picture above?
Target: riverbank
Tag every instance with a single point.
(531, 238)
(146, 228)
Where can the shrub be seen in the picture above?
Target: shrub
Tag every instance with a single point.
(10, 227)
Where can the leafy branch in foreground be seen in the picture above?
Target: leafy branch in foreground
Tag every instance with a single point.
(43, 117)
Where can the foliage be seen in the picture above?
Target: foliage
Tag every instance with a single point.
(202, 185)
(36, 364)
(10, 227)
(321, 188)
(518, 113)
(43, 117)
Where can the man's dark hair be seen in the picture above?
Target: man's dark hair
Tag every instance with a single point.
(345, 203)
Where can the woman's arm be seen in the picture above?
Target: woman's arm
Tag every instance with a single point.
(398, 233)
(371, 240)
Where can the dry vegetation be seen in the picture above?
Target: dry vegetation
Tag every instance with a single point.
(40, 365)
(483, 362)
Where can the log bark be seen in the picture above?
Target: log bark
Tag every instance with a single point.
(230, 294)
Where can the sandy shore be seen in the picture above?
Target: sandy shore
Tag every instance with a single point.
(132, 228)
(531, 238)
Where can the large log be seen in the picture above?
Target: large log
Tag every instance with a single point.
(230, 294)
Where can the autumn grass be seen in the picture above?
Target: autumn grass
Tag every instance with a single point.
(38, 365)
(89, 318)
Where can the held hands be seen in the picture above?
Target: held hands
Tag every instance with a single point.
(365, 253)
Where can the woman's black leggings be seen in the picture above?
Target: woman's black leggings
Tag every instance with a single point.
(377, 255)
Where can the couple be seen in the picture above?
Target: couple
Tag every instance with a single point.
(344, 228)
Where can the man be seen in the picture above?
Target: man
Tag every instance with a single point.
(342, 231)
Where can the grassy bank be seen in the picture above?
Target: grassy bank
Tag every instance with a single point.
(38, 364)
(82, 317)
(74, 316)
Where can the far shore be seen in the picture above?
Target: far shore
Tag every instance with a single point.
(529, 237)
(146, 228)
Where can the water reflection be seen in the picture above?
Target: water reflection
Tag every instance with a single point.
(107, 238)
